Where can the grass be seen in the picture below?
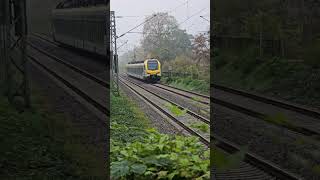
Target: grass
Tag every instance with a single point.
(188, 83)
(175, 109)
(128, 122)
(196, 98)
(279, 119)
(40, 144)
(222, 161)
(201, 126)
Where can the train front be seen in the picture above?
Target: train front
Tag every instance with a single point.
(153, 70)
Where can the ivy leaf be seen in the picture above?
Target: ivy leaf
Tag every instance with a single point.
(138, 168)
(171, 175)
(162, 174)
(184, 162)
(119, 169)
(125, 153)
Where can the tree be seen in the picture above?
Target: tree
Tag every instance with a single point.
(163, 39)
(201, 50)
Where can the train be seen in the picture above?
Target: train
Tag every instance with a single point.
(82, 25)
(148, 70)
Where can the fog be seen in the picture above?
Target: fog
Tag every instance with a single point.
(134, 13)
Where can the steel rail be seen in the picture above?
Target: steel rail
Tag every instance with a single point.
(255, 160)
(225, 145)
(191, 92)
(268, 100)
(203, 119)
(72, 87)
(192, 132)
(83, 72)
(184, 95)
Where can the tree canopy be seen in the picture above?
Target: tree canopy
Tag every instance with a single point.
(162, 37)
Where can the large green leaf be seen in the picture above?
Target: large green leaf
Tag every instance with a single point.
(138, 168)
(119, 169)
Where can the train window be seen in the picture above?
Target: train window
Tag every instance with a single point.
(152, 65)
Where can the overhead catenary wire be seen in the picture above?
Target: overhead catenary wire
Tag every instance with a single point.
(205, 18)
(138, 25)
(153, 16)
(169, 11)
(198, 12)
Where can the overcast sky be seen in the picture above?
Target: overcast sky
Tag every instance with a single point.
(181, 10)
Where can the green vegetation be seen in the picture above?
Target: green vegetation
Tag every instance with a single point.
(279, 119)
(293, 81)
(39, 144)
(196, 98)
(161, 156)
(176, 110)
(138, 152)
(266, 47)
(201, 126)
(223, 161)
(127, 121)
(188, 83)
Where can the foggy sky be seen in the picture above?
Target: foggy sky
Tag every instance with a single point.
(142, 8)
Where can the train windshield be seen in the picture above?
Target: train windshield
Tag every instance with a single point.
(152, 65)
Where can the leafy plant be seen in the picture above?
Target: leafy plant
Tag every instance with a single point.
(279, 119)
(160, 156)
(223, 161)
(175, 109)
(201, 126)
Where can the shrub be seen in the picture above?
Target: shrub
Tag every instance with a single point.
(160, 156)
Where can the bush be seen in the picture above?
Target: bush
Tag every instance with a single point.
(160, 156)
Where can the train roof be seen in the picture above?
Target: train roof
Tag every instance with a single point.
(138, 62)
(96, 10)
(66, 4)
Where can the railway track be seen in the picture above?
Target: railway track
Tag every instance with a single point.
(286, 105)
(204, 99)
(227, 99)
(203, 119)
(145, 94)
(90, 88)
(253, 167)
(45, 38)
(297, 119)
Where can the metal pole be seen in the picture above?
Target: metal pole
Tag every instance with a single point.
(114, 37)
(24, 33)
(15, 55)
(2, 46)
(7, 46)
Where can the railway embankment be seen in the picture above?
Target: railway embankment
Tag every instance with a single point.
(187, 83)
(295, 81)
